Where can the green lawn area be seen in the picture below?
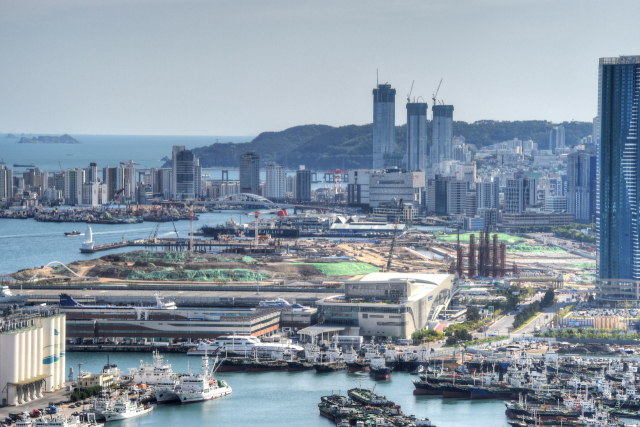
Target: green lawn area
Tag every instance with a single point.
(585, 265)
(342, 268)
(464, 237)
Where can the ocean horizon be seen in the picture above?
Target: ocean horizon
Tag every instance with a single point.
(105, 150)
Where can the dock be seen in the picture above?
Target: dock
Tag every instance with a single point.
(104, 247)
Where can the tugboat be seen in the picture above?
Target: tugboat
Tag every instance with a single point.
(72, 233)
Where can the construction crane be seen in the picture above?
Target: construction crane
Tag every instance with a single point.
(411, 90)
(116, 194)
(435, 95)
(395, 233)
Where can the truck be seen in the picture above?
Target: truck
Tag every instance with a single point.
(347, 340)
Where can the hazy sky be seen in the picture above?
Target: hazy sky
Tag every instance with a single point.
(242, 67)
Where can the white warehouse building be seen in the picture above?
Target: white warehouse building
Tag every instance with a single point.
(32, 354)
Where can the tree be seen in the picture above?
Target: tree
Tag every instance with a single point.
(549, 297)
(473, 315)
(459, 335)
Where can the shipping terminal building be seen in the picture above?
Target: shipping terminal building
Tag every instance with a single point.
(386, 305)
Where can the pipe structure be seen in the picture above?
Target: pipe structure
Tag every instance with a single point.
(503, 261)
(495, 268)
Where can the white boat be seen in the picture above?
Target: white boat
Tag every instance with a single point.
(165, 390)
(198, 388)
(246, 344)
(151, 374)
(7, 297)
(60, 420)
(100, 404)
(123, 408)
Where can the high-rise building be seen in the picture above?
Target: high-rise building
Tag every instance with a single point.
(488, 193)
(581, 187)
(519, 193)
(197, 178)
(182, 184)
(94, 194)
(73, 182)
(619, 175)
(250, 173)
(384, 126)
(441, 143)
(472, 204)
(416, 136)
(290, 190)
(91, 173)
(303, 185)
(275, 183)
(115, 180)
(456, 197)
(6, 183)
(556, 138)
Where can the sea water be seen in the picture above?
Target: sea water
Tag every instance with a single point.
(290, 399)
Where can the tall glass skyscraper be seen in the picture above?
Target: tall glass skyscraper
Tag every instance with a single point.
(416, 136)
(619, 176)
(384, 125)
(441, 144)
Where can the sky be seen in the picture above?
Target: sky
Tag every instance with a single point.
(241, 67)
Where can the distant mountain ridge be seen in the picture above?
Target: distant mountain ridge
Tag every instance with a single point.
(45, 139)
(322, 147)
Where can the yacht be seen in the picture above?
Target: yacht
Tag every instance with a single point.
(198, 388)
(240, 344)
(151, 374)
(6, 297)
(123, 409)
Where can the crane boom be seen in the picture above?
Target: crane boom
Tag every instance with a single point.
(411, 90)
(395, 234)
(435, 95)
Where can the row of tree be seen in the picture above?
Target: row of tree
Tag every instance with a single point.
(533, 308)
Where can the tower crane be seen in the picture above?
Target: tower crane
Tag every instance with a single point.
(411, 90)
(435, 95)
(395, 233)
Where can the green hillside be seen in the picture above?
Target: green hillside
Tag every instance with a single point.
(322, 147)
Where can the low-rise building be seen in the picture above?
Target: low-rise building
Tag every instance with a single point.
(537, 219)
(95, 380)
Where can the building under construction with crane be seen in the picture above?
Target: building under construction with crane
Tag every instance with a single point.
(484, 258)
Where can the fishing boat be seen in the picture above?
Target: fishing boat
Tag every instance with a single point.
(72, 233)
(124, 408)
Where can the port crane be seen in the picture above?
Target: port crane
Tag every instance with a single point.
(395, 233)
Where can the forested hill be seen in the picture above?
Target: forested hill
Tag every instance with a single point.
(321, 147)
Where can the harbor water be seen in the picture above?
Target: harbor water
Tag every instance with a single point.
(290, 399)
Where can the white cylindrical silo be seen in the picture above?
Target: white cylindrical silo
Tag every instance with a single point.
(28, 349)
(40, 347)
(21, 338)
(48, 353)
(63, 348)
(12, 366)
(56, 358)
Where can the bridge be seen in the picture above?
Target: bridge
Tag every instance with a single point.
(254, 201)
(556, 282)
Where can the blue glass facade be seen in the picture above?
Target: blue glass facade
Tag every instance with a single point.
(618, 168)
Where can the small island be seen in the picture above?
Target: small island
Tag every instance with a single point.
(64, 139)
